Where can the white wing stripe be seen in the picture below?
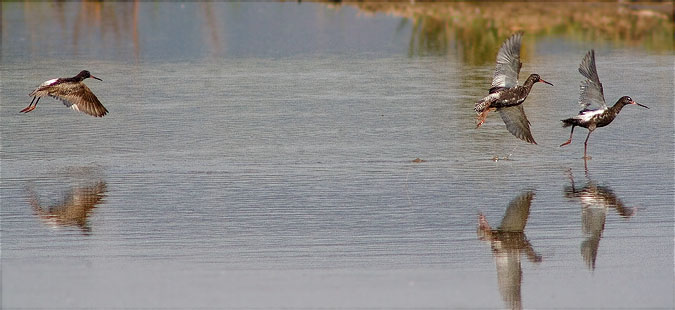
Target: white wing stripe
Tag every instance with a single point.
(50, 82)
(588, 115)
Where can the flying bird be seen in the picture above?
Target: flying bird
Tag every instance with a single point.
(591, 93)
(72, 92)
(505, 95)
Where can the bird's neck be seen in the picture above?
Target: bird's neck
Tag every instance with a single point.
(529, 82)
(617, 107)
(75, 79)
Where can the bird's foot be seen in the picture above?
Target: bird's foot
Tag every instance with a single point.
(28, 109)
(481, 118)
(566, 142)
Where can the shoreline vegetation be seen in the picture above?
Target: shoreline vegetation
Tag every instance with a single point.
(474, 30)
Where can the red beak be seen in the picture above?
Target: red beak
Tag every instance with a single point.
(540, 80)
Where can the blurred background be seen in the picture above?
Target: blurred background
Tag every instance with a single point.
(471, 31)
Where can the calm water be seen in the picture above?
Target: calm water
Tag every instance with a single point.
(261, 156)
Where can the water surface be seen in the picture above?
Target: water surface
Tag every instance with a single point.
(261, 156)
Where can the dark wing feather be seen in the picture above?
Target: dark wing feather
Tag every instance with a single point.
(590, 91)
(508, 63)
(515, 217)
(517, 123)
(78, 96)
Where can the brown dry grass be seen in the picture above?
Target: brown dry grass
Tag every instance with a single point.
(475, 29)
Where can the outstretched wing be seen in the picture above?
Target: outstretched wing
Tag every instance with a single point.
(516, 215)
(517, 123)
(80, 98)
(590, 91)
(508, 63)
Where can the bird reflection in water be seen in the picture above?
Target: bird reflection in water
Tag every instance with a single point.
(508, 242)
(74, 209)
(595, 201)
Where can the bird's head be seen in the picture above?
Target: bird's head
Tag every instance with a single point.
(85, 74)
(536, 78)
(628, 100)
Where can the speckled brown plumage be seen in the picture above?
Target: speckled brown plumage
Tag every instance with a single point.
(505, 95)
(72, 92)
(591, 93)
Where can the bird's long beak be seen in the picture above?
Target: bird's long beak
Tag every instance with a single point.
(540, 80)
(644, 106)
(93, 77)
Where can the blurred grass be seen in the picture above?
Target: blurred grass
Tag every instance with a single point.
(474, 30)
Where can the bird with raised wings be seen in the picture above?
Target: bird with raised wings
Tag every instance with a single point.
(72, 92)
(591, 94)
(506, 96)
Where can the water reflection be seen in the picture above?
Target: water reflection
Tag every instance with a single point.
(595, 202)
(212, 26)
(73, 210)
(475, 30)
(508, 243)
(100, 27)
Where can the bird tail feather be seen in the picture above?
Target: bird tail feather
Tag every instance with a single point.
(568, 122)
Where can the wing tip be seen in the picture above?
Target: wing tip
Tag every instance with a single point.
(515, 39)
(94, 113)
(527, 138)
(103, 113)
(100, 114)
(587, 66)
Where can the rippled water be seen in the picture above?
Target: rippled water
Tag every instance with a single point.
(272, 175)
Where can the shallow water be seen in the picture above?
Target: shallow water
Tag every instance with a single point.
(261, 155)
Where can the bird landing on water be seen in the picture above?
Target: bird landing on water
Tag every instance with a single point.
(591, 93)
(505, 96)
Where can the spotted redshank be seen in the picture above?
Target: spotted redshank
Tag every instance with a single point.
(72, 92)
(591, 93)
(505, 95)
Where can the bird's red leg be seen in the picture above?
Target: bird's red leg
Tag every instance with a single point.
(586, 144)
(35, 105)
(28, 108)
(570, 139)
(481, 118)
